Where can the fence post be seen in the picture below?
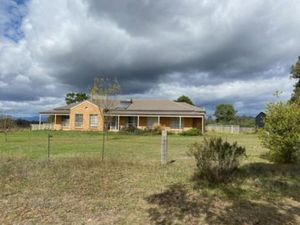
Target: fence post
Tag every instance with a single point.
(103, 144)
(5, 135)
(164, 147)
(49, 137)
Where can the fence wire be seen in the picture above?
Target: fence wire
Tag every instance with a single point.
(69, 144)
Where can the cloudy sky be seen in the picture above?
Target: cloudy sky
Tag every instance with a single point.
(229, 51)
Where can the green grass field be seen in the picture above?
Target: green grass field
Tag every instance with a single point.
(130, 187)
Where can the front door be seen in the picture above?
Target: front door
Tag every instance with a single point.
(65, 122)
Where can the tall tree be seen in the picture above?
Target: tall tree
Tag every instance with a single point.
(225, 113)
(104, 93)
(184, 98)
(74, 97)
(295, 72)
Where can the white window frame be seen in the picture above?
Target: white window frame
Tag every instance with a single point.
(94, 119)
(78, 124)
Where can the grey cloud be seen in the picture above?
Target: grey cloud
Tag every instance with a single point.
(148, 43)
(223, 42)
(159, 39)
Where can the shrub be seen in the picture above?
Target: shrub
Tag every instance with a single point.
(146, 131)
(157, 129)
(131, 130)
(216, 160)
(281, 133)
(191, 132)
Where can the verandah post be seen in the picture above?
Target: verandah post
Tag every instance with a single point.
(49, 144)
(40, 121)
(103, 138)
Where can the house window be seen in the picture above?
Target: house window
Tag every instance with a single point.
(78, 120)
(93, 120)
(151, 121)
(132, 121)
(175, 123)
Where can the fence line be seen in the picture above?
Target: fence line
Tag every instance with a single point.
(247, 130)
(43, 126)
(233, 129)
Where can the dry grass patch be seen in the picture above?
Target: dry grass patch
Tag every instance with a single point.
(130, 187)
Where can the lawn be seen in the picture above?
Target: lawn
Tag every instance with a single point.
(130, 187)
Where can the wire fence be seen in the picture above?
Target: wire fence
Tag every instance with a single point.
(233, 129)
(53, 144)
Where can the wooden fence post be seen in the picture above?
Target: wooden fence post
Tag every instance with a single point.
(5, 134)
(49, 148)
(164, 147)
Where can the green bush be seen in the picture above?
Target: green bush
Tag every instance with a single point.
(281, 133)
(216, 160)
(156, 130)
(191, 132)
(130, 130)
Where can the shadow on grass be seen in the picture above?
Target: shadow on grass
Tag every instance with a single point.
(260, 193)
(273, 180)
(257, 181)
(177, 205)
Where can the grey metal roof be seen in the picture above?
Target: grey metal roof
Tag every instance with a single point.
(61, 109)
(156, 113)
(55, 112)
(142, 107)
(161, 105)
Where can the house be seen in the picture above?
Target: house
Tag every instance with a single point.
(260, 120)
(142, 114)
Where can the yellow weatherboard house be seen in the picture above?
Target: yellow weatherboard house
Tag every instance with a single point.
(142, 114)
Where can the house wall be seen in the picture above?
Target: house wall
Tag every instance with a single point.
(86, 108)
(143, 122)
(197, 123)
(165, 121)
(187, 122)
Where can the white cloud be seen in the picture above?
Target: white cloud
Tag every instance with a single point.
(248, 96)
(2, 84)
(213, 51)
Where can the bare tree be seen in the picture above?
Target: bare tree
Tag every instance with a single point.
(104, 94)
(6, 124)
